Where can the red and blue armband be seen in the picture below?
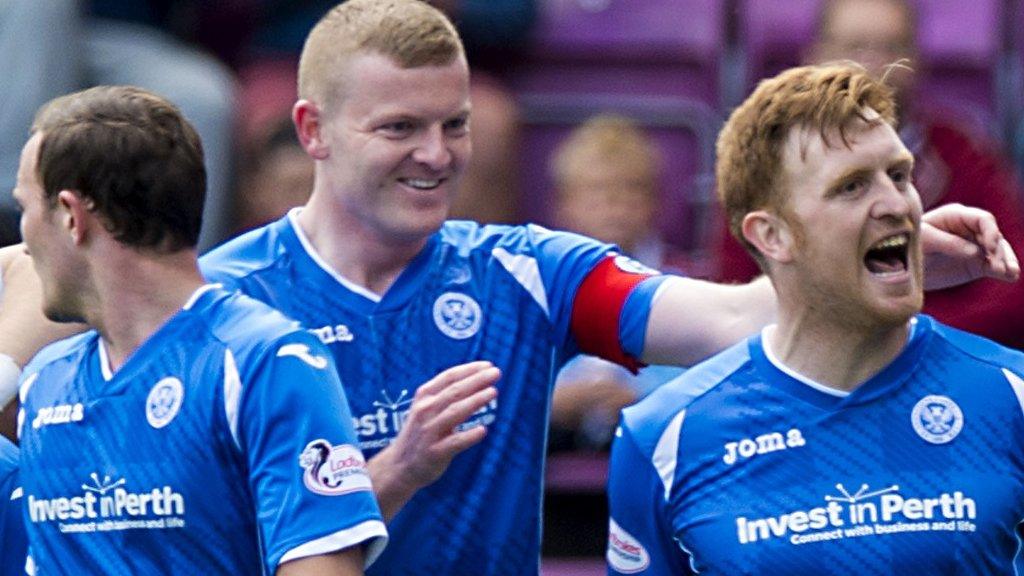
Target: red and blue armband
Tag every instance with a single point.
(610, 310)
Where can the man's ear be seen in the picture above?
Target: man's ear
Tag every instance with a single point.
(770, 234)
(75, 213)
(307, 118)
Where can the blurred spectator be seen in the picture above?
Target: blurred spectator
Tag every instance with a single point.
(53, 47)
(277, 175)
(492, 30)
(953, 164)
(606, 174)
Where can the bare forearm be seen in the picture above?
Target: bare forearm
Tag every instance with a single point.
(693, 320)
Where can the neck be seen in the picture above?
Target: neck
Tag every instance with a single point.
(135, 293)
(838, 356)
(353, 248)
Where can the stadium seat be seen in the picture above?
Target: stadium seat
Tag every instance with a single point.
(664, 47)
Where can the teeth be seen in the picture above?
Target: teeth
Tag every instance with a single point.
(892, 242)
(422, 184)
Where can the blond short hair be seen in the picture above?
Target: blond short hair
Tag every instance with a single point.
(410, 32)
(605, 138)
(822, 98)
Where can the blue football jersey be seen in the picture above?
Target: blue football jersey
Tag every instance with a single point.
(742, 466)
(215, 449)
(496, 293)
(12, 531)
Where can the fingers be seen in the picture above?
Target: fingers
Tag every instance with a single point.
(460, 441)
(456, 413)
(431, 436)
(453, 374)
(1003, 264)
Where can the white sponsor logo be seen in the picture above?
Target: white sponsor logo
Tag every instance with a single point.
(331, 334)
(302, 352)
(106, 505)
(864, 513)
(627, 264)
(164, 402)
(333, 470)
(61, 414)
(937, 419)
(378, 428)
(625, 553)
(457, 315)
(763, 444)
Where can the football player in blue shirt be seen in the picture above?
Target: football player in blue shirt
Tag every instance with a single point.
(194, 430)
(371, 267)
(853, 436)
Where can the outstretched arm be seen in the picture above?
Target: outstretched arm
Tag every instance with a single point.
(429, 439)
(692, 320)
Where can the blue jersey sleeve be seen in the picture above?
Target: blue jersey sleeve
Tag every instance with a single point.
(309, 479)
(639, 536)
(13, 541)
(564, 260)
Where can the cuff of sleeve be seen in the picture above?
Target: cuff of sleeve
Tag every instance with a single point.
(372, 534)
(635, 313)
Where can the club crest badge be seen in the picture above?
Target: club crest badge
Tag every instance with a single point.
(937, 419)
(457, 315)
(333, 470)
(164, 402)
(631, 266)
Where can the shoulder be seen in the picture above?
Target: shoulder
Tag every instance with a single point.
(659, 417)
(242, 322)
(253, 251)
(520, 239)
(68, 350)
(246, 326)
(975, 350)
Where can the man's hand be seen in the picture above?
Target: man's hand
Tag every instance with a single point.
(429, 439)
(962, 244)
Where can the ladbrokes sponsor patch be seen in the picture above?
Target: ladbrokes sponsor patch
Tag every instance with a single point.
(332, 470)
(625, 553)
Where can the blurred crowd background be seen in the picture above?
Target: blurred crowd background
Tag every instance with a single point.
(598, 116)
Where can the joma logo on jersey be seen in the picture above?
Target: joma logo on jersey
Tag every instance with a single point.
(331, 334)
(62, 414)
(763, 444)
(302, 352)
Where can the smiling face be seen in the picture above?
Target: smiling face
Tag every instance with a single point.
(854, 221)
(397, 143)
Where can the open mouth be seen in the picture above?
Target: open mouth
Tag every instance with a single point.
(888, 256)
(421, 183)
